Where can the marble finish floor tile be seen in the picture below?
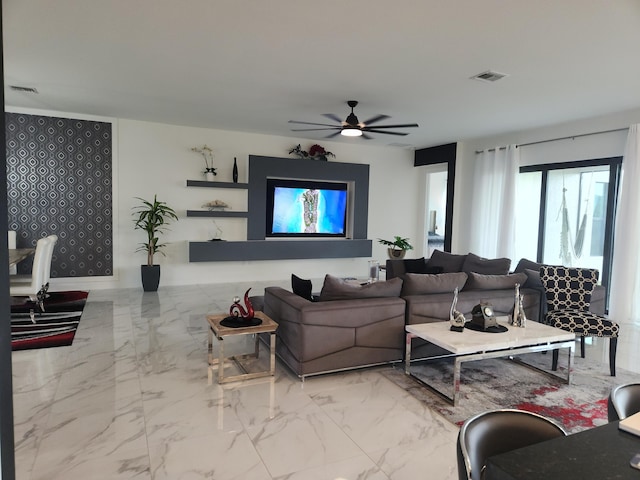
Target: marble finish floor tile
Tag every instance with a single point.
(134, 398)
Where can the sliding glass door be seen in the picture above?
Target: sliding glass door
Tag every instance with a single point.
(572, 217)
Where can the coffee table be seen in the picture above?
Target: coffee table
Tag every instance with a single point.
(221, 332)
(470, 345)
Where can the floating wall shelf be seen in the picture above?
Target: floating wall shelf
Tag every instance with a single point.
(204, 183)
(215, 213)
(278, 249)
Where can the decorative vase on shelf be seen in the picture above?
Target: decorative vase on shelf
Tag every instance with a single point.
(235, 170)
(209, 177)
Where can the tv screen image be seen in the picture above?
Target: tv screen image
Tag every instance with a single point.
(306, 208)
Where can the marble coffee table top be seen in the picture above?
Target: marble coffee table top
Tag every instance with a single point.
(470, 341)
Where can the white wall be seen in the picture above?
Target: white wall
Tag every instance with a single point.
(153, 158)
(573, 149)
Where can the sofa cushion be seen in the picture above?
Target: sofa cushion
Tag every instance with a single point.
(449, 262)
(478, 281)
(301, 287)
(485, 266)
(525, 264)
(421, 284)
(335, 288)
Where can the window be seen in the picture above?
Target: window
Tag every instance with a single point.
(570, 219)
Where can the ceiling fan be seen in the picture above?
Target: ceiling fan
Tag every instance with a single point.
(352, 127)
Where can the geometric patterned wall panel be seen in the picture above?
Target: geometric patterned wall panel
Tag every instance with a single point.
(59, 181)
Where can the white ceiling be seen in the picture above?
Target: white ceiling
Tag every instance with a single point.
(252, 65)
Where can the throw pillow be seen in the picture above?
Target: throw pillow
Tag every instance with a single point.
(301, 287)
(449, 262)
(479, 281)
(496, 266)
(533, 279)
(421, 284)
(525, 264)
(335, 288)
(414, 265)
(419, 265)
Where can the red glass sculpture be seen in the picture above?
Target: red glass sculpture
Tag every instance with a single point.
(237, 310)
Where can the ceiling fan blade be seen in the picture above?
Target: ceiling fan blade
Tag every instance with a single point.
(402, 125)
(311, 123)
(375, 119)
(366, 137)
(335, 134)
(315, 129)
(332, 117)
(383, 131)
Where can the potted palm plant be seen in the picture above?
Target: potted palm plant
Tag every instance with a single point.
(153, 218)
(397, 247)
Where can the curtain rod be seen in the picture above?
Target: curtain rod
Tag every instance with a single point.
(570, 137)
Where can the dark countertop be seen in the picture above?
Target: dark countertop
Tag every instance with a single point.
(601, 453)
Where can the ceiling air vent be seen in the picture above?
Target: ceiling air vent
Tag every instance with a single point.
(489, 76)
(18, 88)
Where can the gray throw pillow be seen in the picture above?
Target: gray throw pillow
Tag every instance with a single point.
(422, 284)
(533, 279)
(335, 288)
(449, 262)
(495, 266)
(478, 281)
(525, 264)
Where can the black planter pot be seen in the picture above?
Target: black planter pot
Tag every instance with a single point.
(150, 277)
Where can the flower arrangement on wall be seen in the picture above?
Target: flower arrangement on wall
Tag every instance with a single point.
(316, 152)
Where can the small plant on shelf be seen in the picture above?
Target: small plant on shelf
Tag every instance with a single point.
(397, 247)
(207, 155)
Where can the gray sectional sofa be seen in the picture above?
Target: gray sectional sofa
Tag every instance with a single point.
(353, 325)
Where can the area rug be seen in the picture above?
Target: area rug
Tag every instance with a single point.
(501, 383)
(55, 327)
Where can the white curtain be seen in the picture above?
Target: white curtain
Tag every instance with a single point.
(494, 202)
(624, 296)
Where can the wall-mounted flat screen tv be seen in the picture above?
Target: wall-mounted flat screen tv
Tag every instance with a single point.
(306, 208)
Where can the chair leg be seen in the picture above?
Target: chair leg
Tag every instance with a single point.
(613, 346)
(554, 360)
(582, 346)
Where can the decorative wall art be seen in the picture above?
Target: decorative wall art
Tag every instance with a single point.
(59, 181)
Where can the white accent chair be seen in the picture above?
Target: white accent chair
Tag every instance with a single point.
(12, 244)
(36, 285)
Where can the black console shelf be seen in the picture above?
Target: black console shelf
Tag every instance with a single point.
(278, 249)
(221, 213)
(204, 183)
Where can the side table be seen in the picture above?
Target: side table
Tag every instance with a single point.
(220, 332)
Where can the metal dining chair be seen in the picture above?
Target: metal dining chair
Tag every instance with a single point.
(623, 401)
(499, 431)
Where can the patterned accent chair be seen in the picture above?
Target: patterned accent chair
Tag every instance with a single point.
(568, 291)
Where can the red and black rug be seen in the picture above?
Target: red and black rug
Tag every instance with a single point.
(55, 327)
(497, 383)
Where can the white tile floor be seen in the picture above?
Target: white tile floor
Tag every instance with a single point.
(133, 398)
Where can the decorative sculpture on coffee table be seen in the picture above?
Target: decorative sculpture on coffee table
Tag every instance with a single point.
(456, 318)
(240, 316)
(518, 319)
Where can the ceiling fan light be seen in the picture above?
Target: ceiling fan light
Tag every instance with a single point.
(349, 131)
